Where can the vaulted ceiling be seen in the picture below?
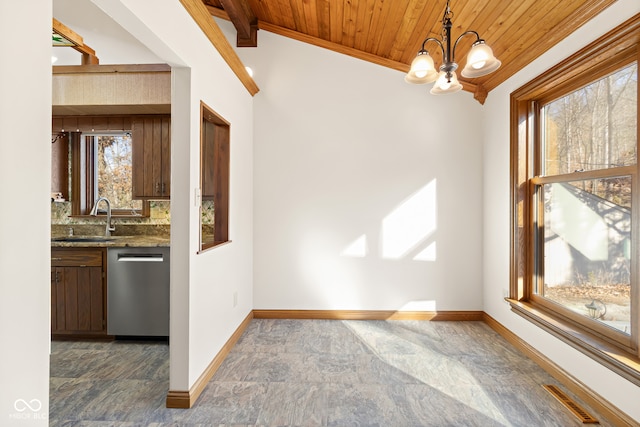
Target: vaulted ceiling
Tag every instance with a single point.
(390, 32)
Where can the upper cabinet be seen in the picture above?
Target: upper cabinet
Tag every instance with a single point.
(151, 157)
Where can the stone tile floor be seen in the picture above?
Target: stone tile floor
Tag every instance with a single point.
(315, 373)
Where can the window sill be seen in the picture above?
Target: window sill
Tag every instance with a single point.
(614, 358)
(216, 244)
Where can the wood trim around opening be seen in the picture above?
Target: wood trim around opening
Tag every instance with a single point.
(603, 351)
(209, 27)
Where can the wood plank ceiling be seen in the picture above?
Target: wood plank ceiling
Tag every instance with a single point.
(390, 32)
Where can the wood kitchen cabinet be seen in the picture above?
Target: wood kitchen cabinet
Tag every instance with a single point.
(151, 138)
(78, 292)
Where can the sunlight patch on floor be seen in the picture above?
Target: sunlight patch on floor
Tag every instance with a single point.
(423, 366)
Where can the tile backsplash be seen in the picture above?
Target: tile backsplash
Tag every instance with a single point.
(158, 223)
(160, 215)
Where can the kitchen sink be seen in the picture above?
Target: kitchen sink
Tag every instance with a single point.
(71, 239)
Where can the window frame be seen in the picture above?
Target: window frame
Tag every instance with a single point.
(215, 175)
(613, 51)
(83, 179)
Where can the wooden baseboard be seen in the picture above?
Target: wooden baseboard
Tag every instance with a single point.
(180, 399)
(597, 402)
(369, 315)
(186, 399)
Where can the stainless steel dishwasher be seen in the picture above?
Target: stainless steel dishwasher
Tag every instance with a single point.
(138, 291)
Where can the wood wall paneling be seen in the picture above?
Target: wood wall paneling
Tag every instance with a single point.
(88, 124)
(60, 164)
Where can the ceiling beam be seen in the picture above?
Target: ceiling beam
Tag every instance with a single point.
(244, 20)
(210, 28)
(218, 13)
(77, 42)
(478, 91)
(67, 33)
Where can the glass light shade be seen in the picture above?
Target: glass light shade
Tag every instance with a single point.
(445, 85)
(480, 61)
(422, 69)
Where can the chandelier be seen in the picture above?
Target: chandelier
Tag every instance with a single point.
(480, 61)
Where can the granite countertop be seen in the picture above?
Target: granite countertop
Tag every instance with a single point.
(108, 242)
(84, 236)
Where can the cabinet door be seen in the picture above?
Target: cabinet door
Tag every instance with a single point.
(77, 302)
(151, 157)
(78, 305)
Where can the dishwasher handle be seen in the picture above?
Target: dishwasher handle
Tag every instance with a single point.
(133, 257)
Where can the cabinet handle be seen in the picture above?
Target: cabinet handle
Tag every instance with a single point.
(157, 187)
(56, 259)
(163, 188)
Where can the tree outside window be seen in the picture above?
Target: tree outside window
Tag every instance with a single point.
(114, 171)
(585, 236)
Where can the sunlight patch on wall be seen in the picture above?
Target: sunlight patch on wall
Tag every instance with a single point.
(427, 254)
(357, 248)
(425, 305)
(410, 223)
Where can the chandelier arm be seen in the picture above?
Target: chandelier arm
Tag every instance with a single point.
(434, 40)
(453, 56)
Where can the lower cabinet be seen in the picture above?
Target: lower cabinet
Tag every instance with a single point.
(78, 292)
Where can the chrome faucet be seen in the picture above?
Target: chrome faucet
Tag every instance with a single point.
(94, 211)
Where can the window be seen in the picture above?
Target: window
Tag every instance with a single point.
(576, 201)
(114, 172)
(102, 166)
(214, 178)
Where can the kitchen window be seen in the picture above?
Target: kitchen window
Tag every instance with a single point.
(113, 168)
(575, 223)
(102, 166)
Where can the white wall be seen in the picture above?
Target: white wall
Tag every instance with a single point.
(25, 171)
(112, 43)
(618, 391)
(202, 285)
(367, 189)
